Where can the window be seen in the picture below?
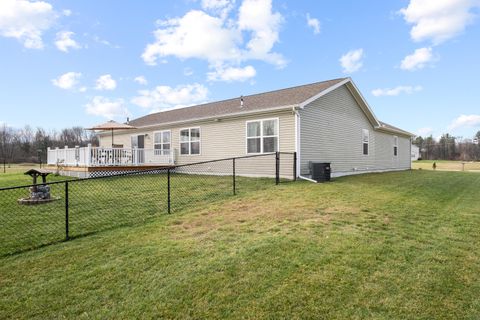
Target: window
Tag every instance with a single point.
(190, 141)
(262, 136)
(365, 140)
(161, 142)
(395, 146)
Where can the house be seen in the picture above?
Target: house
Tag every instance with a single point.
(327, 121)
(415, 153)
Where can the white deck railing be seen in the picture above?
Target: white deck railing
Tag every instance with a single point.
(107, 157)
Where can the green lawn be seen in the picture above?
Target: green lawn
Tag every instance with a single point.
(402, 245)
(99, 204)
(447, 165)
(14, 175)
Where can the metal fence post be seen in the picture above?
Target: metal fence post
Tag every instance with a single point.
(66, 211)
(277, 167)
(233, 176)
(168, 190)
(294, 166)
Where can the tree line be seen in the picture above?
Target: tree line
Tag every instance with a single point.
(449, 147)
(30, 145)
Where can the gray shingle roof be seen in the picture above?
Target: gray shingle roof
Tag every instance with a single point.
(254, 102)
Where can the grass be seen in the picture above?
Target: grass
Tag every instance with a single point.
(14, 175)
(401, 245)
(100, 204)
(447, 165)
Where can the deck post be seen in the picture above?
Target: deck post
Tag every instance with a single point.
(88, 155)
(65, 150)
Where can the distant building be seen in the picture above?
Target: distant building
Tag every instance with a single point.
(415, 152)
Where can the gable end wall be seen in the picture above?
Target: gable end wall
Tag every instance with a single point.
(331, 131)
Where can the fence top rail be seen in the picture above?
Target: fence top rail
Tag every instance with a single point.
(136, 172)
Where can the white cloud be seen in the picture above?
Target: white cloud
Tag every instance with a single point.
(257, 16)
(165, 97)
(220, 7)
(67, 81)
(97, 39)
(195, 35)
(417, 60)
(26, 21)
(105, 82)
(396, 91)
(438, 20)
(141, 80)
(313, 23)
(352, 61)
(187, 72)
(232, 74)
(470, 121)
(67, 12)
(64, 41)
(108, 108)
(426, 131)
(219, 39)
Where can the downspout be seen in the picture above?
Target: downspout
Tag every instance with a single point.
(297, 144)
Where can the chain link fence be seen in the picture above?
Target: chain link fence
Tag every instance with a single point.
(85, 206)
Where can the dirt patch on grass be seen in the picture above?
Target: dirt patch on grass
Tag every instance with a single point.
(240, 216)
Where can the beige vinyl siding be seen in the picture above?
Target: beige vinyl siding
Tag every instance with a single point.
(220, 139)
(331, 131)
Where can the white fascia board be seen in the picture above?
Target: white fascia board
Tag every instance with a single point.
(390, 130)
(362, 102)
(365, 104)
(324, 92)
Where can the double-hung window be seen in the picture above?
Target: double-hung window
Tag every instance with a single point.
(190, 141)
(162, 142)
(262, 136)
(365, 141)
(395, 146)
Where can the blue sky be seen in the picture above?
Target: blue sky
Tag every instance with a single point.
(66, 63)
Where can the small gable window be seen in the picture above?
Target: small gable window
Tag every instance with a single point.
(365, 141)
(395, 146)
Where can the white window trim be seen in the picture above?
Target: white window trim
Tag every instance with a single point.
(189, 142)
(261, 135)
(368, 142)
(395, 145)
(161, 143)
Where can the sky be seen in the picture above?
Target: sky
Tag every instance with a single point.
(79, 63)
